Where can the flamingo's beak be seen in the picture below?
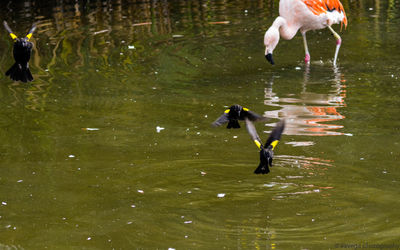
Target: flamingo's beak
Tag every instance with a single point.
(269, 58)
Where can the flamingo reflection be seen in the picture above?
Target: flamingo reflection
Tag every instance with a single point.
(311, 113)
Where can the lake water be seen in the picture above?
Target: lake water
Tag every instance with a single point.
(110, 147)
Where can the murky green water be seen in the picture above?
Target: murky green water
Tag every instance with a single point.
(84, 167)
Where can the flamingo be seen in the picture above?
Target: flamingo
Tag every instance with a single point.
(304, 15)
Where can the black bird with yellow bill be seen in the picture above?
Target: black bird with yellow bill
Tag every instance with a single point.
(235, 113)
(22, 54)
(266, 150)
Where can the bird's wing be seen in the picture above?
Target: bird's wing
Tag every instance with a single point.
(322, 6)
(13, 36)
(252, 116)
(253, 133)
(30, 33)
(221, 120)
(275, 135)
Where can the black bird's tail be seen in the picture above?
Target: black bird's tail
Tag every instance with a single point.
(18, 72)
(233, 124)
(265, 161)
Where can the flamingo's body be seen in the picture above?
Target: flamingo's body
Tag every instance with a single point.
(304, 15)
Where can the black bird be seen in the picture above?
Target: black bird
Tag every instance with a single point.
(22, 53)
(235, 113)
(266, 150)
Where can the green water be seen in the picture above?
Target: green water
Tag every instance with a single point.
(84, 167)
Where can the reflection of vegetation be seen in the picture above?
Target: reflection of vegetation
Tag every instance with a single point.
(78, 24)
(131, 39)
(99, 33)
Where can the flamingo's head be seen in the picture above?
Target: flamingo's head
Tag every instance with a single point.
(271, 39)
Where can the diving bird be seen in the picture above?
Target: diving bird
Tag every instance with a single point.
(235, 113)
(266, 150)
(22, 53)
(304, 15)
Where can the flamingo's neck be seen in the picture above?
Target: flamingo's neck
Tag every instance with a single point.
(286, 30)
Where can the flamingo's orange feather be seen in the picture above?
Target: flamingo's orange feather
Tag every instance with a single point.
(322, 6)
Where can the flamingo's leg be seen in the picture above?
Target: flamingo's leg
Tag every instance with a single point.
(338, 43)
(307, 58)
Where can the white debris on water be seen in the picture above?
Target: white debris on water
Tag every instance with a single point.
(99, 32)
(300, 143)
(221, 195)
(159, 129)
(269, 185)
(91, 129)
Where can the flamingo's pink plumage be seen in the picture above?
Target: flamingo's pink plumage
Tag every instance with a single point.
(304, 15)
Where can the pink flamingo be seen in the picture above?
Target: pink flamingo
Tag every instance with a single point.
(304, 15)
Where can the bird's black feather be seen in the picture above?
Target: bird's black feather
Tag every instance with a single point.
(276, 133)
(221, 120)
(22, 49)
(237, 113)
(267, 150)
